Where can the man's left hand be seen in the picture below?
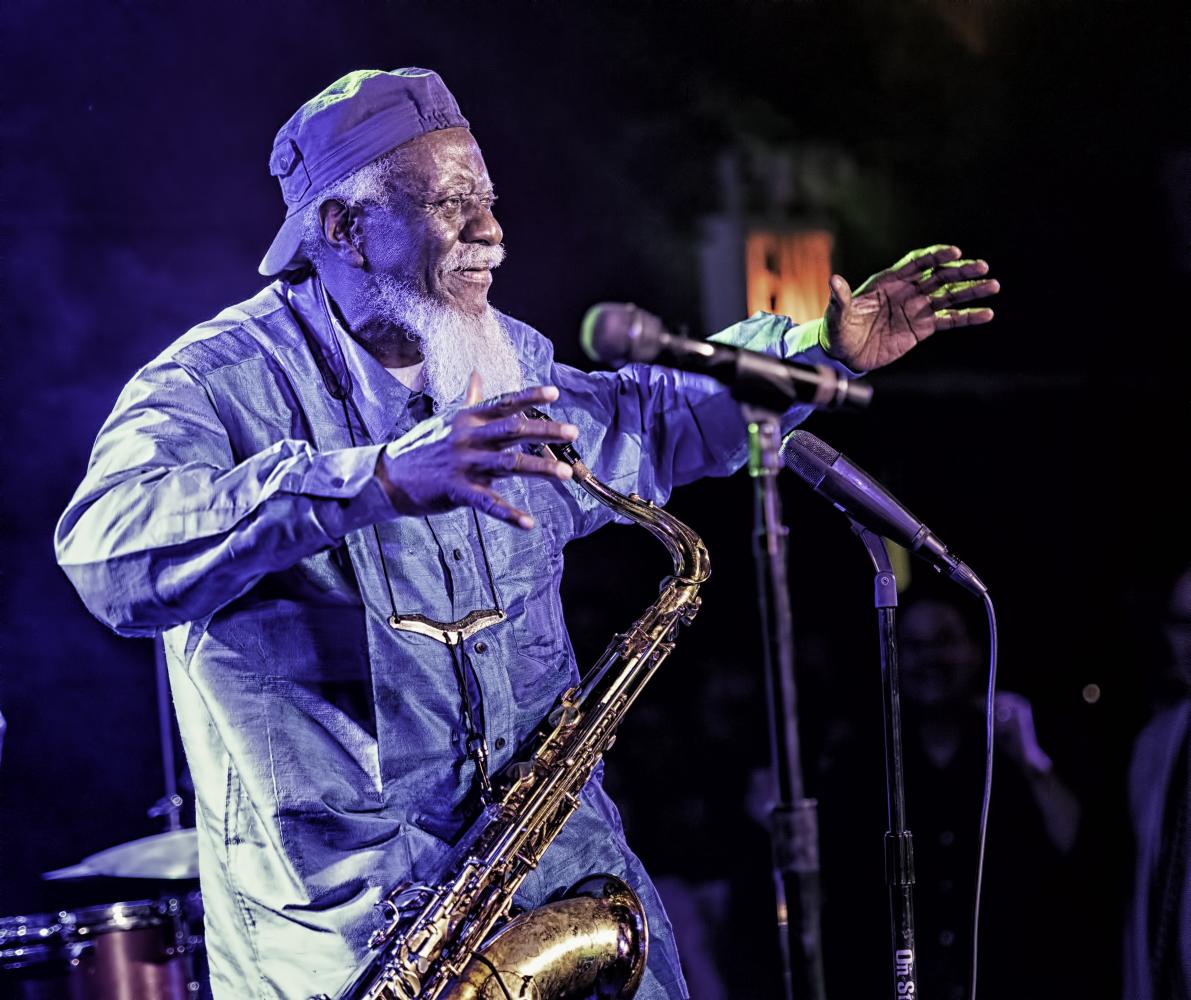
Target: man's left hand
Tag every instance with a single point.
(904, 304)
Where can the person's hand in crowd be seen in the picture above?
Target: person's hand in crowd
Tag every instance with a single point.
(1014, 732)
(1013, 729)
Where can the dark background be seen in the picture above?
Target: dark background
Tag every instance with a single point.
(1052, 139)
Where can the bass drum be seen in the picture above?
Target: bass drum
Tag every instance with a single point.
(149, 949)
(35, 961)
(138, 950)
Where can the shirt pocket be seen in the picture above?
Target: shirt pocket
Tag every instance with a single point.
(540, 633)
(322, 747)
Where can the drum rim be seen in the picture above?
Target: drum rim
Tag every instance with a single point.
(26, 919)
(25, 930)
(126, 915)
(29, 939)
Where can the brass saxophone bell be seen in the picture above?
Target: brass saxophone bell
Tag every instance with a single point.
(594, 942)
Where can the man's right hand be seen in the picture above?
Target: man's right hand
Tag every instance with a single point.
(452, 459)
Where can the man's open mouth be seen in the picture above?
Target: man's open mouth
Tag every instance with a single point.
(477, 274)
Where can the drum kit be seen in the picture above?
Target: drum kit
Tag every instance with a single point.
(147, 945)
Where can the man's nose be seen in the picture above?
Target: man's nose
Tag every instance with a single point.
(481, 227)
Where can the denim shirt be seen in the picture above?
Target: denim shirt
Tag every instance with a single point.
(230, 505)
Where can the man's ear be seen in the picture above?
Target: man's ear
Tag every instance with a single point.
(341, 231)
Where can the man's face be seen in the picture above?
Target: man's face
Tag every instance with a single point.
(427, 236)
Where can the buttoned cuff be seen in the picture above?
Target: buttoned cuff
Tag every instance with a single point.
(779, 336)
(345, 480)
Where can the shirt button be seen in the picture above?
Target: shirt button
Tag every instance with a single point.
(481, 647)
(500, 743)
(336, 482)
(457, 555)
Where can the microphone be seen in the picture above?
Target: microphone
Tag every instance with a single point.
(617, 333)
(866, 501)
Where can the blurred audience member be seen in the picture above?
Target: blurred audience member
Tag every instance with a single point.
(710, 860)
(1157, 960)
(1026, 938)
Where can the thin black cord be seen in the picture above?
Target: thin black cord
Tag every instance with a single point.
(487, 565)
(475, 736)
(384, 565)
(496, 974)
(988, 773)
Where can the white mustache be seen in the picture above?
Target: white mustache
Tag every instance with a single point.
(464, 256)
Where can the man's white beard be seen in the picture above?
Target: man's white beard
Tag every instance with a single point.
(453, 343)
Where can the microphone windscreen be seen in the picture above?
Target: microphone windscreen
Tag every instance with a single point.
(601, 336)
(808, 456)
(618, 332)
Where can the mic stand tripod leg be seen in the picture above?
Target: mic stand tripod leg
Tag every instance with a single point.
(794, 819)
(899, 842)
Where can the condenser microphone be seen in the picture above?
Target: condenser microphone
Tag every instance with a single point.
(866, 501)
(617, 333)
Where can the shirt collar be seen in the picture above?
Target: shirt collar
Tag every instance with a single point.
(379, 398)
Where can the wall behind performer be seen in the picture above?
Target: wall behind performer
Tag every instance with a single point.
(308, 493)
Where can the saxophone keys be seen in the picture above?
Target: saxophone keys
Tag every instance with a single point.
(530, 862)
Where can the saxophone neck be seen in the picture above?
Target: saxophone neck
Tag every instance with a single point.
(692, 564)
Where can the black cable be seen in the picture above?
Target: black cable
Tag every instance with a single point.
(384, 566)
(496, 974)
(487, 565)
(988, 772)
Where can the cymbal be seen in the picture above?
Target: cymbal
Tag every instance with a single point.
(169, 855)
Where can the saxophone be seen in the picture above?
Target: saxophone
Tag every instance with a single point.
(453, 939)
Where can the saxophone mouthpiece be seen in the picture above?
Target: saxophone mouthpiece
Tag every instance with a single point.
(561, 452)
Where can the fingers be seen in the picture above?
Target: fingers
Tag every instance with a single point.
(948, 319)
(928, 258)
(484, 466)
(946, 274)
(475, 389)
(838, 300)
(1004, 710)
(518, 429)
(841, 293)
(494, 464)
(514, 402)
(488, 501)
(963, 291)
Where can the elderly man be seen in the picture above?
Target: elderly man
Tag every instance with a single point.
(355, 563)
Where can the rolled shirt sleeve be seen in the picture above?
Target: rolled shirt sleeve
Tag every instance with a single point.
(168, 526)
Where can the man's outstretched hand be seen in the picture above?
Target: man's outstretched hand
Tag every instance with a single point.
(904, 304)
(452, 459)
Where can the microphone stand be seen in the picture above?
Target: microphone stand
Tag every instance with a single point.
(793, 826)
(899, 842)
(170, 804)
